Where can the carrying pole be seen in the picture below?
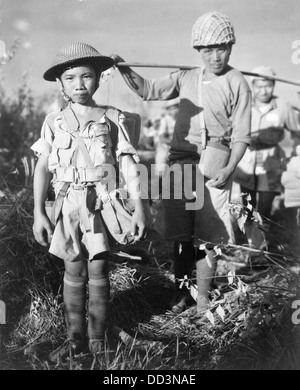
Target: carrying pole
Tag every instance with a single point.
(187, 67)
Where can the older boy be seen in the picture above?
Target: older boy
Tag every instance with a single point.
(226, 102)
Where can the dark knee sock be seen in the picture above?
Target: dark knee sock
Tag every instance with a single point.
(74, 303)
(99, 291)
(183, 259)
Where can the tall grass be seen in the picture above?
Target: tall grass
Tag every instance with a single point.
(248, 326)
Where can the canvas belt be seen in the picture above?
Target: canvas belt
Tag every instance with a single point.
(80, 175)
(221, 140)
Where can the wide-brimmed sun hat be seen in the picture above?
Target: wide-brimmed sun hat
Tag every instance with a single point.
(77, 53)
(262, 71)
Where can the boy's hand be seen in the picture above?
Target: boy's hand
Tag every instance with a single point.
(42, 230)
(138, 225)
(117, 59)
(220, 178)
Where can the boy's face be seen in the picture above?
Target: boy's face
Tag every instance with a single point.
(263, 90)
(215, 58)
(80, 83)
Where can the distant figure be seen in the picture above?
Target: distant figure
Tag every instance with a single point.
(164, 136)
(259, 171)
(149, 134)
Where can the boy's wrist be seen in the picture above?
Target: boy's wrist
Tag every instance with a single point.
(37, 211)
(230, 169)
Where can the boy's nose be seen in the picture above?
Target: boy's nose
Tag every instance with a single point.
(215, 55)
(79, 83)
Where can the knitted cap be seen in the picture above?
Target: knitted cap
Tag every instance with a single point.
(76, 53)
(261, 72)
(212, 28)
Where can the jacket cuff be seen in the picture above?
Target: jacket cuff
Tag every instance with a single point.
(41, 147)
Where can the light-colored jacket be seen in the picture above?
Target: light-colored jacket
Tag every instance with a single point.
(103, 140)
(260, 168)
(226, 103)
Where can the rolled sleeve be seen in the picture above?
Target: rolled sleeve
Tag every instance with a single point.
(163, 88)
(241, 119)
(124, 148)
(43, 146)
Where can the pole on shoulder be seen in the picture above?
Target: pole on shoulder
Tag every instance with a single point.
(187, 67)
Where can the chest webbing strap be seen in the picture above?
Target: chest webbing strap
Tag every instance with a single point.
(103, 193)
(72, 123)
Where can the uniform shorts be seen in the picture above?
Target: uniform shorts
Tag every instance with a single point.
(79, 234)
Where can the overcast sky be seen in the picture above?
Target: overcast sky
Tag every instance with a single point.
(147, 31)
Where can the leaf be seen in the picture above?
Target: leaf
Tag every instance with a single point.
(241, 221)
(244, 288)
(230, 277)
(208, 261)
(238, 211)
(248, 198)
(221, 312)
(218, 251)
(241, 316)
(240, 287)
(258, 217)
(180, 248)
(209, 315)
(202, 247)
(228, 307)
(184, 282)
(235, 209)
(194, 291)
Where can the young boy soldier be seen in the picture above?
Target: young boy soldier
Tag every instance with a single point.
(259, 171)
(225, 97)
(77, 145)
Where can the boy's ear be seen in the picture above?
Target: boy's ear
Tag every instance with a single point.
(60, 85)
(62, 91)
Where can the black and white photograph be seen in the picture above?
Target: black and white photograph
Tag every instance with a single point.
(149, 188)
